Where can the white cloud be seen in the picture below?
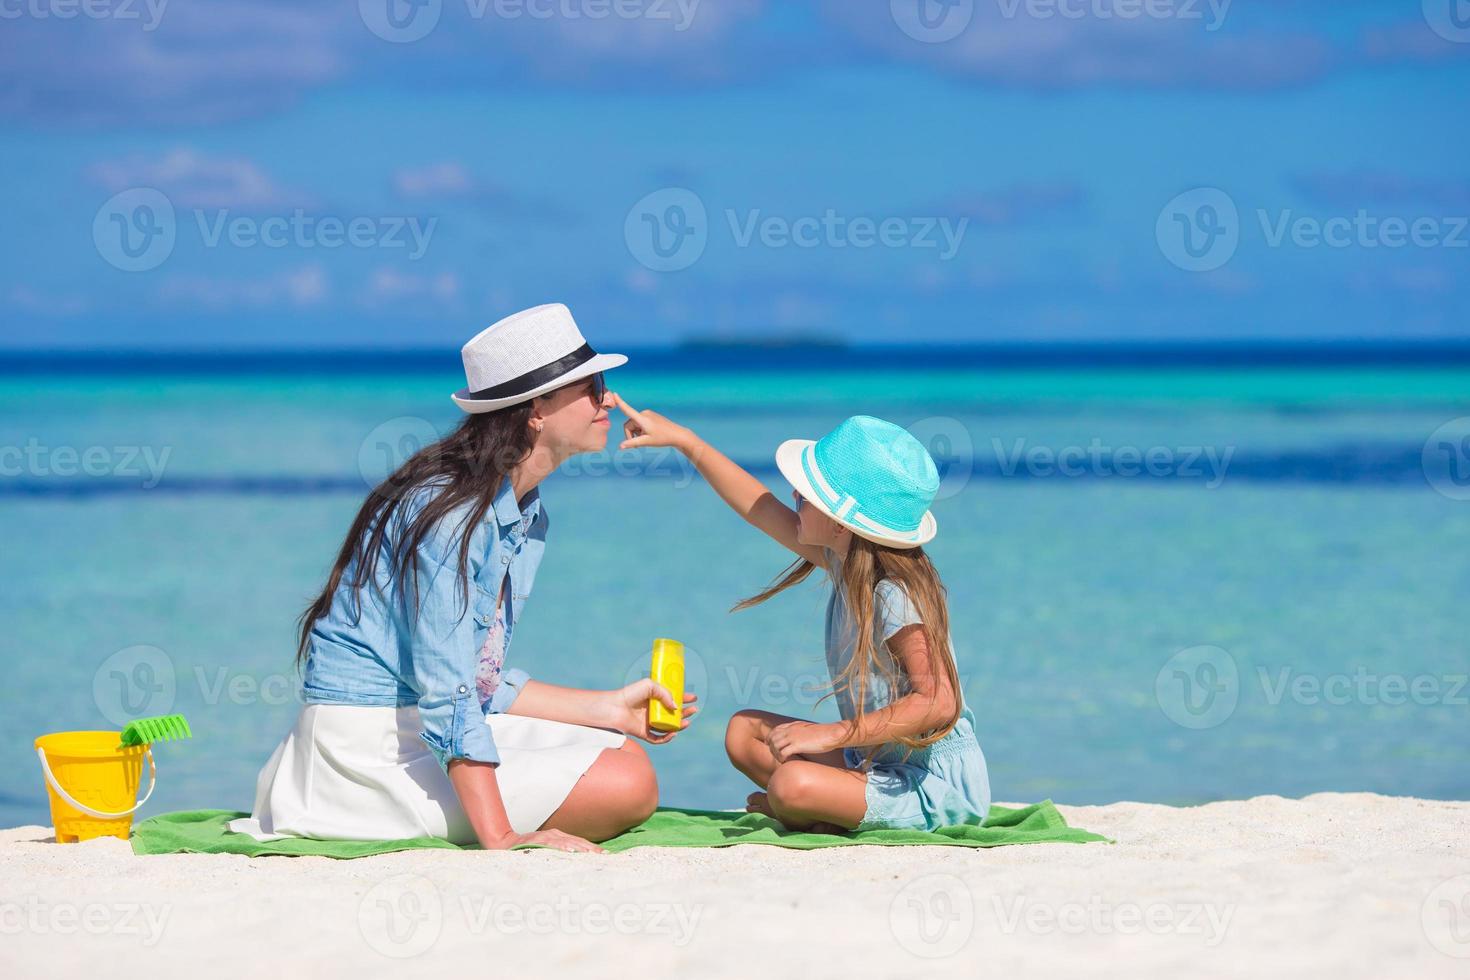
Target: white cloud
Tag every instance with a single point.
(191, 179)
(29, 300)
(388, 285)
(1063, 52)
(305, 286)
(446, 179)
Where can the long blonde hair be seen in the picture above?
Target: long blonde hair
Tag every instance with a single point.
(867, 564)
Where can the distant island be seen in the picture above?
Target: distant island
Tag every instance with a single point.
(757, 341)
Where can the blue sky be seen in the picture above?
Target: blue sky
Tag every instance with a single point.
(179, 173)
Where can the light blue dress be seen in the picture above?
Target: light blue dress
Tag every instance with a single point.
(939, 785)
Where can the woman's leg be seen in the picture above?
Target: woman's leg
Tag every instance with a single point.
(618, 792)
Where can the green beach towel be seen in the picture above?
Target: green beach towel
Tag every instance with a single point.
(204, 832)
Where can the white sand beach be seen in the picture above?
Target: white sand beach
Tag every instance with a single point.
(1336, 884)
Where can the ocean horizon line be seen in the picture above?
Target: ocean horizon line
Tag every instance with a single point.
(706, 355)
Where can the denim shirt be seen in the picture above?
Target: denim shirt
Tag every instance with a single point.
(380, 654)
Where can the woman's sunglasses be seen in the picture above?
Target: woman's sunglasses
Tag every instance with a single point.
(596, 388)
(598, 391)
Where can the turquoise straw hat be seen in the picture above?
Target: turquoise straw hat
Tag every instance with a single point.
(868, 475)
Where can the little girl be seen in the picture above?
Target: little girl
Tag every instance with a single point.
(904, 755)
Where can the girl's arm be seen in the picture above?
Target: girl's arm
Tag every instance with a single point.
(928, 705)
(746, 495)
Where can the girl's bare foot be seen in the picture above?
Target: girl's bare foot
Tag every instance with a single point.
(759, 803)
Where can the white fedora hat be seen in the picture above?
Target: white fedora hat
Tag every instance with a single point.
(524, 355)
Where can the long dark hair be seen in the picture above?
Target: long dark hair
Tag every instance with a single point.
(468, 464)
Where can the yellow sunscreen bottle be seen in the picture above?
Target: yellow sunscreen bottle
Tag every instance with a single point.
(667, 670)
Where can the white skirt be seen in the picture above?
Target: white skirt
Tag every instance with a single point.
(360, 772)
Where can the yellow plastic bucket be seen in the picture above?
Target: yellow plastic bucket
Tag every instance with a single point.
(93, 784)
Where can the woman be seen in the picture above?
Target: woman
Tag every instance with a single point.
(413, 726)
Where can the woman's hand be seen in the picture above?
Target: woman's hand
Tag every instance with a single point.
(628, 710)
(795, 738)
(648, 428)
(547, 838)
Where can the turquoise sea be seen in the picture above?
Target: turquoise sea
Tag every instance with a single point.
(1246, 580)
